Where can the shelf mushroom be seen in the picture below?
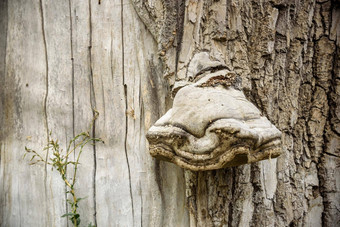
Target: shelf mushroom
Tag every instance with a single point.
(211, 124)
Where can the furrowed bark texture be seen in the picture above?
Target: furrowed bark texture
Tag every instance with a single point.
(288, 55)
(61, 59)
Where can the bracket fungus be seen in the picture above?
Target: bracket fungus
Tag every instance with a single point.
(212, 125)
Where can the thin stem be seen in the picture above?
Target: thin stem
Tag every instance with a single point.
(77, 145)
(60, 162)
(77, 161)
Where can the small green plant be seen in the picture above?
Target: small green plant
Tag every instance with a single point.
(60, 160)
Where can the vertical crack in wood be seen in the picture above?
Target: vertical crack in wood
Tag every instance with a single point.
(180, 7)
(3, 54)
(72, 69)
(45, 98)
(103, 98)
(111, 65)
(93, 106)
(139, 142)
(157, 171)
(126, 109)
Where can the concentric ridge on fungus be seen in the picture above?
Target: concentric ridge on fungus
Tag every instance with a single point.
(211, 124)
(211, 128)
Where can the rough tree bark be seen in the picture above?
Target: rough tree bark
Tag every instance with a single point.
(60, 59)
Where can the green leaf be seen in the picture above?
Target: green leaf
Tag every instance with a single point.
(60, 162)
(79, 199)
(33, 157)
(73, 163)
(67, 214)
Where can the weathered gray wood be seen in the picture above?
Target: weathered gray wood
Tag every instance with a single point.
(79, 23)
(59, 115)
(23, 189)
(113, 195)
(60, 59)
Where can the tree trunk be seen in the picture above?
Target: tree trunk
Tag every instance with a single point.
(59, 60)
